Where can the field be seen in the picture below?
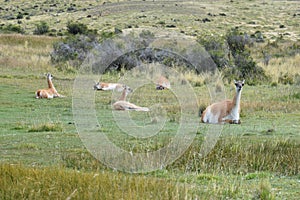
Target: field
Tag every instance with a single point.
(45, 154)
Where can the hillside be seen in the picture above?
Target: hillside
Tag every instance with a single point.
(272, 18)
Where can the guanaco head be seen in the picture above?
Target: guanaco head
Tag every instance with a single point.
(97, 86)
(49, 76)
(127, 89)
(160, 87)
(125, 92)
(239, 85)
(163, 83)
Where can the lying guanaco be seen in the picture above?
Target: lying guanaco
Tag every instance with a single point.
(163, 83)
(48, 93)
(122, 104)
(227, 111)
(108, 86)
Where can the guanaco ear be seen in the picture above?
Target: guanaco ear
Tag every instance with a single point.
(243, 81)
(48, 74)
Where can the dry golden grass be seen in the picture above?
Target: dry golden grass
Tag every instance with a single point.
(21, 53)
(284, 65)
(250, 16)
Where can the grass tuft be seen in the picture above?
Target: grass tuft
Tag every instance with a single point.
(19, 182)
(257, 175)
(243, 156)
(264, 191)
(46, 127)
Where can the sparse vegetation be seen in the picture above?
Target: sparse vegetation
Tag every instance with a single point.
(10, 28)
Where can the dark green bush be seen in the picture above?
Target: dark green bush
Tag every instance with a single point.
(245, 68)
(12, 28)
(73, 49)
(20, 16)
(232, 56)
(217, 48)
(77, 28)
(105, 35)
(237, 41)
(41, 28)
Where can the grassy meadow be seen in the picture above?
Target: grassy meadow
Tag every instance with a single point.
(43, 156)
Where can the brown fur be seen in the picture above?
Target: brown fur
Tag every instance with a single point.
(108, 86)
(48, 93)
(163, 83)
(224, 107)
(226, 111)
(122, 104)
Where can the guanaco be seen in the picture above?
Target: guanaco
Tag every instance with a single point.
(122, 104)
(227, 111)
(48, 93)
(108, 86)
(163, 83)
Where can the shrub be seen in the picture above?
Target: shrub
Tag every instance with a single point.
(76, 46)
(73, 49)
(76, 28)
(258, 37)
(105, 35)
(244, 67)
(232, 56)
(285, 79)
(147, 37)
(217, 49)
(41, 28)
(12, 28)
(20, 16)
(237, 42)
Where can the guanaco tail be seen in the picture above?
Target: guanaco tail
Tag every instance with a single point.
(227, 111)
(48, 93)
(108, 86)
(122, 104)
(163, 83)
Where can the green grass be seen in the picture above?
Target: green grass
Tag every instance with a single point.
(248, 161)
(35, 183)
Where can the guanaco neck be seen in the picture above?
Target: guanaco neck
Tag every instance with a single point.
(124, 94)
(50, 84)
(237, 98)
